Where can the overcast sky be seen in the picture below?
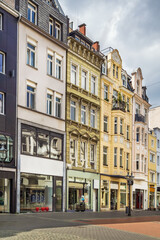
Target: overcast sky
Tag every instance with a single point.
(131, 26)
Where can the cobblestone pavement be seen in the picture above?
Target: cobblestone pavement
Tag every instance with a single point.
(75, 233)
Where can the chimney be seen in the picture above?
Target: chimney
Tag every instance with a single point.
(82, 29)
(96, 46)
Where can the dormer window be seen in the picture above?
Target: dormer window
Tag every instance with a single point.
(124, 80)
(57, 31)
(32, 13)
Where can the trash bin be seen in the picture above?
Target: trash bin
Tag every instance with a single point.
(127, 210)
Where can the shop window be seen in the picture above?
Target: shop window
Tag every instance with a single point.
(122, 195)
(56, 148)
(43, 144)
(104, 194)
(28, 141)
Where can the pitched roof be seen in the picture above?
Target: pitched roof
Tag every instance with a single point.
(57, 5)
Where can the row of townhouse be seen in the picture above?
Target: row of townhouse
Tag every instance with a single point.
(73, 123)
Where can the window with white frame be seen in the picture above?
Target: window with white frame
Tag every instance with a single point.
(0, 21)
(106, 93)
(2, 104)
(83, 153)
(121, 126)
(152, 177)
(121, 157)
(137, 162)
(124, 80)
(127, 161)
(128, 105)
(115, 157)
(116, 72)
(58, 68)
(74, 74)
(51, 26)
(58, 31)
(31, 89)
(58, 106)
(83, 114)
(138, 108)
(49, 103)
(92, 155)
(31, 55)
(93, 118)
(104, 68)
(142, 162)
(152, 143)
(137, 134)
(115, 125)
(105, 156)
(93, 85)
(2, 62)
(32, 13)
(145, 165)
(84, 80)
(73, 110)
(152, 157)
(73, 151)
(127, 132)
(50, 64)
(105, 124)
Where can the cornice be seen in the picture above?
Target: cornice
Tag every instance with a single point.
(7, 8)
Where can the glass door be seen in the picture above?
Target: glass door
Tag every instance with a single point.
(58, 194)
(4, 195)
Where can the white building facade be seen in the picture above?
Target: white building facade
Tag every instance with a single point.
(41, 107)
(140, 143)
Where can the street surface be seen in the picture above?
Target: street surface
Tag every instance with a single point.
(142, 225)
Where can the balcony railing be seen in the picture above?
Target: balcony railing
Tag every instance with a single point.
(139, 118)
(118, 105)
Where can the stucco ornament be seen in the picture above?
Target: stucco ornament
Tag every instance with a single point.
(116, 57)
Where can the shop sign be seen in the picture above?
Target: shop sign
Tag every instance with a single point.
(114, 185)
(96, 184)
(152, 189)
(71, 179)
(80, 180)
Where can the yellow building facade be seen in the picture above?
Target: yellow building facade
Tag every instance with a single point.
(152, 172)
(83, 122)
(115, 133)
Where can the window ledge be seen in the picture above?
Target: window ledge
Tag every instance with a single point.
(32, 67)
(54, 77)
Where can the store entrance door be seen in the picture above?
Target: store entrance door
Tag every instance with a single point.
(5, 189)
(58, 194)
(139, 199)
(114, 193)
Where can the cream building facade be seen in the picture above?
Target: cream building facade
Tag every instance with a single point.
(140, 142)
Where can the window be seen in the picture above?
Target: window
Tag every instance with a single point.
(58, 107)
(0, 21)
(2, 62)
(31, 55)
(137, 108)
(138, 87)
(127, 104)
(121, 157)
(137, 134)
(157, 143)
(49, 103)
(116, 72)
(152, 177)
(145, 139)
(6, 147)
(145, 165)
(49, 65)
(137, 162)
(83, 153)
(127, 132)
(83, 114)
(158, 175)
(145, 115)
(51, 26)
(103, 68)
(74, 74)
(115, 157)
(105, 124)
(84, 80)
(127, 161)
(28, 140)
(32, 13)
(2, 99)
(105, 92)
(124, 80)
(93, 85)
(152, 158)
(93, 156)
(105, 156)
(30, 97)
(73, 111)
(121, 126)
(73, 151)
(93, 118)
(142, 162)
(58, 31)
(58, 68)
(56, 148)
(158, 162)
(43, 144)
(142, 135)
(115, 125)
(152, 143)
(114, 66)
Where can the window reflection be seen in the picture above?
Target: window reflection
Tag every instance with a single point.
(43, 144)
(29, 141)
(6, 148)
(56, 148)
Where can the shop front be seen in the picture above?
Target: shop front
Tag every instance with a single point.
(82, 187)
(158, 198)
(152, 200)
(140, 192)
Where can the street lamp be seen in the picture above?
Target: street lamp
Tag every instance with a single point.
(129, 182)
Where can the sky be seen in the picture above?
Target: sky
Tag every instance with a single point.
(131, 26)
